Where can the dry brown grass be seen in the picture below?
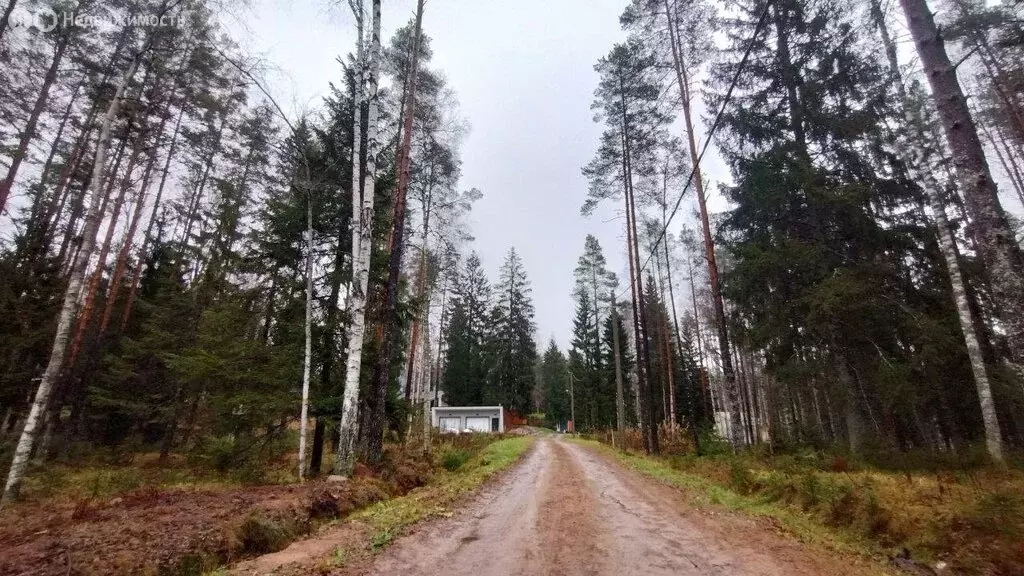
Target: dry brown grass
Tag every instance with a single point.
(970, 517)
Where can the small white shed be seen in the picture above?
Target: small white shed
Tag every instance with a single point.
(468, 418)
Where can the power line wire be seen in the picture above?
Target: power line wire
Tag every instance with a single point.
(714, 126)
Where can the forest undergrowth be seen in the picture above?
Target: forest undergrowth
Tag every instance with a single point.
(945, 510)
(104, 515)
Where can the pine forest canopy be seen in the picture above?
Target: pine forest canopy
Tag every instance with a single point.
(188, 267)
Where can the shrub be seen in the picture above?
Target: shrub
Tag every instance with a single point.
(334, 501)
(261, 535)
(741, 478)
(406, 469)
(453, 459)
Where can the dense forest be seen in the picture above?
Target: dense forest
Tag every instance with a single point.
(183, 270)
(187, 269)
(863, 288)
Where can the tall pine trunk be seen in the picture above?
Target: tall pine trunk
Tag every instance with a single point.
(33, 120)
(620, 398)
(94, 282)
(389, 312)
(731, 387)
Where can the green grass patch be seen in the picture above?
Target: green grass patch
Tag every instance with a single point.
(453, 459)
(390, 517)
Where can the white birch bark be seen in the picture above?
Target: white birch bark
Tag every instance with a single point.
(69, 308)
(947, 246)
(362, 215)
(990, 229)
(308, 359)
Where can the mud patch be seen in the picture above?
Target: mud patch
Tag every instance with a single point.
(571, 542)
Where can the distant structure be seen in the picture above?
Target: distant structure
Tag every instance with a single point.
(458, 419)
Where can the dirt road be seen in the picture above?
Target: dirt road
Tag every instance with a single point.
(566, 510)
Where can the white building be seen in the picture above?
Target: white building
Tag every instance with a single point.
(468, 418)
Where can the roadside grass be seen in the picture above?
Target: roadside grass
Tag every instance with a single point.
(387, 519)
(973, 520)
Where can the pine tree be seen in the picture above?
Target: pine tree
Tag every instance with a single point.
(467, 335)
(510, 378)
(554, 378)
(628, 98)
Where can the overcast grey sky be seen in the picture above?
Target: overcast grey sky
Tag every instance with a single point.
(523, 73)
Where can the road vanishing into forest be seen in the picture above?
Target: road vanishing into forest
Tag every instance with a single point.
(567, 510)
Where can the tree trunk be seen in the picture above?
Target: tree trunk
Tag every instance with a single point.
(122, 257)
(421, 297)
(670, 405)
(682, 77)
(6, 18)
(641, 392)
(708, 406)
(620, 398)
(362, 224)
(68, 250)
(990, 228)
(137, 273)
(641, 418)
(947, 246)
(94, 282)
(1007, 160)
(308, 358)
(36, 237)
(389, 313)
(668, 270)
(33, 120)
(69, 307)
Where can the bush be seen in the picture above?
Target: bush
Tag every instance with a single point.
(711, 444)
(243, 459)
(261, 535)
(453, 459)
(740, 477)
(337, 500)
(406, 469)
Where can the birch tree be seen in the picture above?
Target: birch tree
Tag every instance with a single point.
(362, 224)
(947, 243)
(990, 230)
(69, 308)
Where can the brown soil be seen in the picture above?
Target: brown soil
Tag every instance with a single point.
(183, 531)
(562, 511)
(137, 533)
(566, 511)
